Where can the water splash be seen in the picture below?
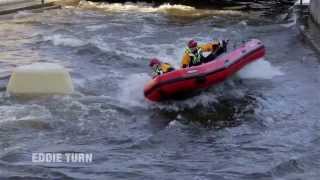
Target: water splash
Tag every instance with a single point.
(138, 7)
(131, 93)
(292, 21)
(260, 69)
(205, 99)
(131, 90)
(23, 14)
(33, 116)
(176, 9)
(64, 40)
(96, 27)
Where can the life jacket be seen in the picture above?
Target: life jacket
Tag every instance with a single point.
(157, 71)
(166, 67)
(195, 57)
(161, 69)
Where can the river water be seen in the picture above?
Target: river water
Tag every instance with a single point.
(263, 123)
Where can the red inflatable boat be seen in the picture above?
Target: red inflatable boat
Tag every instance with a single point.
(170, 85)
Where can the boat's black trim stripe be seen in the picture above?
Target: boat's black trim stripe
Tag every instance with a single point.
(203, 74)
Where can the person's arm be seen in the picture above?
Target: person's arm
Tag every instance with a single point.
(209, 47)
(166, 67)
(185, 61)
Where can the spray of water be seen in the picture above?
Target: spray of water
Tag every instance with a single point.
(64, 40)
(131, 90)
(176, 10)
(23, 114)
(260, 69)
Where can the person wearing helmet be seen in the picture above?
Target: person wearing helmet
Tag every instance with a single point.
(193, 54)
(159, 68)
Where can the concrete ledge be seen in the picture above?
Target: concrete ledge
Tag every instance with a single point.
(30, 7)
(13, 6)
(315, 10)
(311, 32)
(9, 2)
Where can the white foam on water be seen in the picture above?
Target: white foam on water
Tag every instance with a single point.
(170, 53)
(115, 7)
(138, 7)
(243, 23)
(176, 9)
(64, 40)
(22, 14)
(288, 25)
(173, 123)
(219, 29)
(260, 69)
(23, 113)
(45, 67)
(205, 99)
(131, 90)
(134, 52)
(293, 21)
(96, 27)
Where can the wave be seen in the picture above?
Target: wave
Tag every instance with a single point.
(131, 93)
(64, 40)
(260, 69)
(33, 116)
(131, 90)
(138, 7)
(176, 9)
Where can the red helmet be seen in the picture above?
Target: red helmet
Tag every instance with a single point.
(154, 61)
(192, 44)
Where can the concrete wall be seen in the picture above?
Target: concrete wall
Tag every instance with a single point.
(11, 1)
(315, 10)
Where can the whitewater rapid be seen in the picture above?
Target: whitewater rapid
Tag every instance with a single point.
(262, 123)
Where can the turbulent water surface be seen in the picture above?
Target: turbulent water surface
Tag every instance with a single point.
(263, 123)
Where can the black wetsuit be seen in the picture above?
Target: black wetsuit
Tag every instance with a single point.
(213, 55)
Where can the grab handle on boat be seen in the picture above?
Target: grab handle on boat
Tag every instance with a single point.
(226, 63)
(201, 79)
